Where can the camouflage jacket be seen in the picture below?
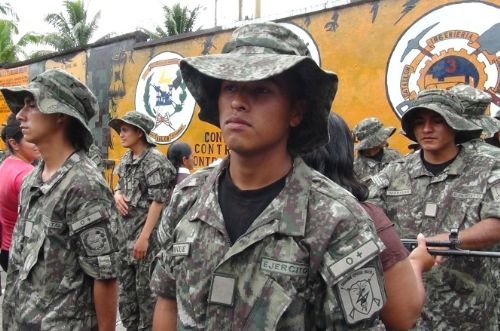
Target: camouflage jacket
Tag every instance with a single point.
(66, 236)
(365, 167)
(312, 244)
(460, 291)
(479, 146)
(150, 177)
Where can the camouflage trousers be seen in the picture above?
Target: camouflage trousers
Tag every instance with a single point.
(136, 301)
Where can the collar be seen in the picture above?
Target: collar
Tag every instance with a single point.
(456, 168)
(46, 187)
(129, 156)
(183, 170)
(289, 208)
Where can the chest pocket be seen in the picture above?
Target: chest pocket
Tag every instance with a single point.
(134, 182)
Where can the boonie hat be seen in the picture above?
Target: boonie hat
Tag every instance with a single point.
(259, 51)
(139, 120)
(57, 92)
(371, 133)
(475, 102)
(447, 105)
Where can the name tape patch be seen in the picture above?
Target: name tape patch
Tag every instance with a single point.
(286, 268)
(397, 193)
(466, 195)
(181, 249)
(360, 255)
(84, 221)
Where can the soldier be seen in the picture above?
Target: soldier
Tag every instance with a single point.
(444, 186)
(373, 153)
(261, 241)
(475, 102)
(145, 181)
(64, 254)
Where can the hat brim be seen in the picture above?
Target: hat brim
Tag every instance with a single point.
(376, 139)
(464, 130)
(14, 97)
(203, 75)
(116, 123)
(490, 125)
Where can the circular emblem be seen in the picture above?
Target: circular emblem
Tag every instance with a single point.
(439, 51)
(95, 241)
(162, 95)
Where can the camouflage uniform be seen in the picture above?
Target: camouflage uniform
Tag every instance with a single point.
(94, 155)
(460, 292)
(150, 177)
(66, 234)
(3, 155)
(309, 260)
(282, 274)
(370, 133)
(475, 102)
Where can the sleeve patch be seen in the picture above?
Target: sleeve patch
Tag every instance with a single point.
(96, 241)
(83, 220)
(358, 257)
(360, 294)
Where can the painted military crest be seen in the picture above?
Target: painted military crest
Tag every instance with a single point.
(162, 95)
(455, 43)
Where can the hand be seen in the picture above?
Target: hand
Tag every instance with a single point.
(121, 203)
(420, 257)
(439, 259)
(140, 248)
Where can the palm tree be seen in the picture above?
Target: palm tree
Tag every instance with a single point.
(10, 50)
(178, 20)
(73, 29)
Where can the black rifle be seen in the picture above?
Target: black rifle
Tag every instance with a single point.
(452, 245)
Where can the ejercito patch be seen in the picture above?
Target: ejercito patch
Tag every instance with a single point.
(95, 241)
(360, 295)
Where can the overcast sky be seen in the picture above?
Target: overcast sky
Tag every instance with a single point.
(123, 16)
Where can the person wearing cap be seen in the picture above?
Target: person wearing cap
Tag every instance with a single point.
(373, 153)
(475, 103)
(64, 254)
(261, 241)
(145, 181)
(446, 186)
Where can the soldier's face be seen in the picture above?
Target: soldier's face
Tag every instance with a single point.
(130, 135)
(36, 126)
(256, 117)
(432, 132)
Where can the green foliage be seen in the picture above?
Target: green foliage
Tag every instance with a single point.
(177, 20)
(10, 50)
(73, 27)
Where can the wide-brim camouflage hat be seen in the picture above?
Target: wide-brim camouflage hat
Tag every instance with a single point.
(370, 133)
(475, 103)
(137, 119)
(259, 51)
(447, 105)
(57, 92)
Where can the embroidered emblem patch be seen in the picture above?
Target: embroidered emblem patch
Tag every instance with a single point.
(360, 295)
(95, 241)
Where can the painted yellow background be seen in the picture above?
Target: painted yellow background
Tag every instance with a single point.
(358, 51)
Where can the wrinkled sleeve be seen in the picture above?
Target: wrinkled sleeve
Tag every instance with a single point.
(158, 178)
(353, 275)
(93, 227)
(490, 207)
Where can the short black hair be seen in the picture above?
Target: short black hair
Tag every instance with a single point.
(177, 151)
(12, 130)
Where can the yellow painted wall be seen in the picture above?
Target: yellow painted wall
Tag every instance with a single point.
(355, 41)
